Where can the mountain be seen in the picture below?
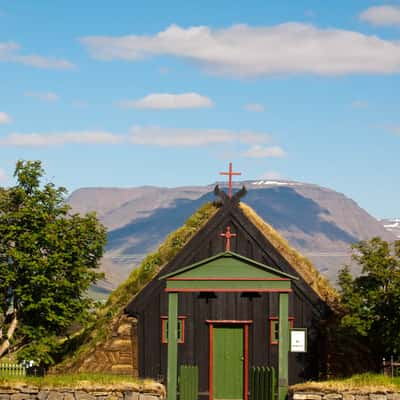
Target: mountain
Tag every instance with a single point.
(318, 221)
(392, 226)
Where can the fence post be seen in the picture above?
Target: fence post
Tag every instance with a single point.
(391, 366)
(263, 383)
(188, 382)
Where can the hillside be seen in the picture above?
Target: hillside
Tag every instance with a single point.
(317, 221)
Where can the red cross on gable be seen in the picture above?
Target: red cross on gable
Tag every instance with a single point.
(230, 173)
(228, 235)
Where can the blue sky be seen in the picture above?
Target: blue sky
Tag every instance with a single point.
(168, 92)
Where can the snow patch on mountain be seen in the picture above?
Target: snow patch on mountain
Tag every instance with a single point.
(275, 183)
(392, 225)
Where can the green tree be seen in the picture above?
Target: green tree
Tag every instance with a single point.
(371, 301)
(48, 259)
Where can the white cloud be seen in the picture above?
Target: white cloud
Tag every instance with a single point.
(152, 136)
(246, 51)
(10, 52)
(170, 137)
(167, 101)
(359, 104)
(43, 96)
(258, 151)
(4, 118)
(387, 15)
(59, 139)
(271, 175)
(3, 175)
(254, 107)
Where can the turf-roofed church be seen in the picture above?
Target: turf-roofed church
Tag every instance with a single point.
(226, 303)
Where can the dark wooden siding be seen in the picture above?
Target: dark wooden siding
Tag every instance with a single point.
(304, 306)
(225, 306)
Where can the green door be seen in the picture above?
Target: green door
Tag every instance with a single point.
(228, 362)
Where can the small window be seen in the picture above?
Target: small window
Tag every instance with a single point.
(274, 329)
(181, 329)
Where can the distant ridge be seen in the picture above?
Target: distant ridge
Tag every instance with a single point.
(319, 222)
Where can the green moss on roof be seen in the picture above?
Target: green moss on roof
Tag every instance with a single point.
(300, 263)
(101, 329)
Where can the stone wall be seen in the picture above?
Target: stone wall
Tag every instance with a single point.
(117, 355)
(119, 393)
(353, 395)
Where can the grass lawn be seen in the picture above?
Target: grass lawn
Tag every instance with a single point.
(83, 380)
(364, 382)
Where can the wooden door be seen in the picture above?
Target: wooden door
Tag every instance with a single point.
(228, 362)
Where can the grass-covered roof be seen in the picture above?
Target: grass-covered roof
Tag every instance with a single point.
(300, 263)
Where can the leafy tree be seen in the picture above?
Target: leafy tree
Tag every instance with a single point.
(372, 300)
(48, 259)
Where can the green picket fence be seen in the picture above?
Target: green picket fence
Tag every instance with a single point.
(9, 369)
(189, 382)
(263, 383)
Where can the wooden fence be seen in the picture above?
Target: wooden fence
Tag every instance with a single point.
(263, 383)
(9, 369)
(189, 382)
(391, 367)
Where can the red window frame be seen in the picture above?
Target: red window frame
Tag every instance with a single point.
(274, 321)
(164, 320)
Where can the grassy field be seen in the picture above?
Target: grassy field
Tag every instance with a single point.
(364, 382)
(83, 380)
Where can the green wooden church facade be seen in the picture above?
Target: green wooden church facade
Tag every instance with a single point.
(226, 312)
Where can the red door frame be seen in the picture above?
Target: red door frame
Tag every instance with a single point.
(245, 355)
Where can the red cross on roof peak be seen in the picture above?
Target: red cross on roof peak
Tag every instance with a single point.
(228, 235)
(230, 173)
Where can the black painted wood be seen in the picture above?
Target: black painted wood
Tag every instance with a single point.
(151, 303)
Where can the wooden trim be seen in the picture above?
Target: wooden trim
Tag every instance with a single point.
(245, 353)
(283, 347)
(182, 331)
(271, 328)
(246, 362)
(164, 319)
(228, 279)
(163, 329)
(277, 318)
(172, 350)
(272, 331)
(219, 290)
(211, 363)
(228, 321)
(230, 254)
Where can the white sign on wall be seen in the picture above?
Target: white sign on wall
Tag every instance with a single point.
(298, 340)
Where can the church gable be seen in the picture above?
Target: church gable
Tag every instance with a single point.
(227, 265)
